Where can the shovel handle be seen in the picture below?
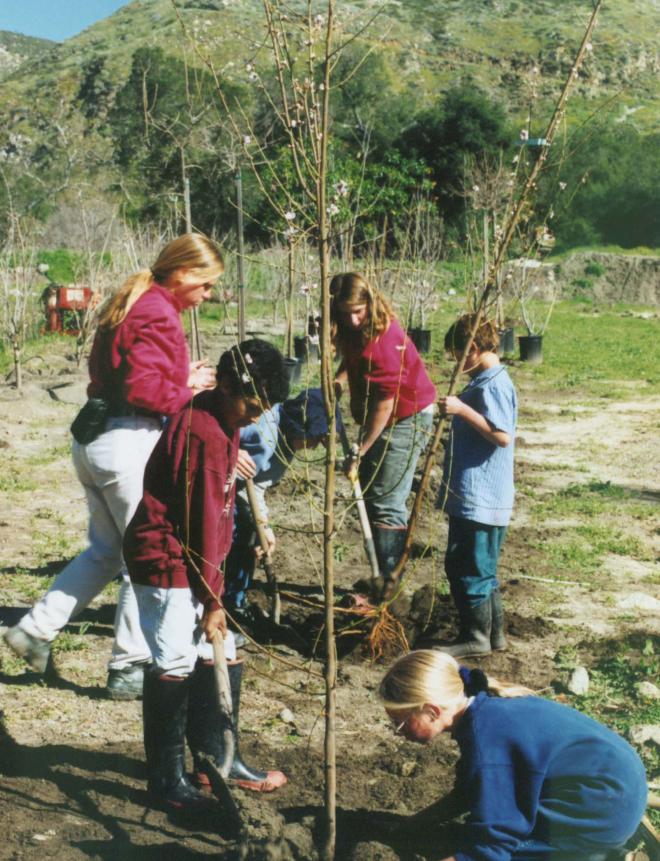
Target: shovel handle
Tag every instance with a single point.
(365, 526)
(222, 675)
(275, 608)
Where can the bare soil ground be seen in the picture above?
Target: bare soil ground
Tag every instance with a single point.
(72, 761)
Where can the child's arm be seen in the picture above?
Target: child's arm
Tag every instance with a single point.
(341, 378)
(376, 421)
(453, 406)
(451, 805)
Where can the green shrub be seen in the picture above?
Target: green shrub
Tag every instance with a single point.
(594, 268)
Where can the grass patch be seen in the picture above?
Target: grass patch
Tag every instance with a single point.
(613, 697)
(592, 499)
(12, 480)
(591, 353)
(49, 456)
(70, 642)
(581, 549)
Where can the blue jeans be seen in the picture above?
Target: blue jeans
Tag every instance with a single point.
(473, 550)
(388, 468)
(241, 561)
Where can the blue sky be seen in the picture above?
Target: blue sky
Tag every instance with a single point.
(54, 19)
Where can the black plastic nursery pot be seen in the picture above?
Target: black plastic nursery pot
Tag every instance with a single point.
(293, 368)
(421, 338)
(304, 348)
(507, 341)
(531, 348)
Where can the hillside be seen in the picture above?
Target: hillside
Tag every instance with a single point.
(427, 45)
(67, 116)
(16, 49)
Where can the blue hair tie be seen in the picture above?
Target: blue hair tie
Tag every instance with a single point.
(474, 681)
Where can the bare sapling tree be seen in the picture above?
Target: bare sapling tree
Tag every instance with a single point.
(18, 295)
(519, 212)
(423, 244)
(292, 68)
(94, 271)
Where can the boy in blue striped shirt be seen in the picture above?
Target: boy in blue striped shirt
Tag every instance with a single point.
(477, 489)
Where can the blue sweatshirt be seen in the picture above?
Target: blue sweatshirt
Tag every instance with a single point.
(534, 772)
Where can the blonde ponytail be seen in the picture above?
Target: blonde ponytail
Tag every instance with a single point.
(118, 306)
(427, 676)
(196, 254)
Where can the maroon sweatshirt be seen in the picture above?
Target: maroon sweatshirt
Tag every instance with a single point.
(144, 361)
(388, 366)
(182, 529)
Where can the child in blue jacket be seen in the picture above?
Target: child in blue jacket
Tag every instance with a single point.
(477, 489)
(538, 779)
(272, 443)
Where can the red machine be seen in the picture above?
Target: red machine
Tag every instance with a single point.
(65, 306)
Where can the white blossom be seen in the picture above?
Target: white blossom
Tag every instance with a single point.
(290, 216)
(475, 188)
(247, 140)
(589, 47)
(562, 186)
(524, 135)
(332, 209)
(341, 188)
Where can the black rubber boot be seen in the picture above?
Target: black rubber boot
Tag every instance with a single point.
(164, 709)
(205, 731)
(389, 544)
(474, 635)
(497, 638)
(242, 774)
(206, 724)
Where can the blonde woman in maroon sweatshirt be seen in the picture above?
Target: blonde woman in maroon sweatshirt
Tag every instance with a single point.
(140, 373)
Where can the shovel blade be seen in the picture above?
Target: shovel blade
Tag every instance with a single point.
(231, 815)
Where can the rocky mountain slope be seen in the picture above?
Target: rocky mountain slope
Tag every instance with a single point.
(427, 44)
(16, 50)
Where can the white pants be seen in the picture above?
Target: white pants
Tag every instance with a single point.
(170, 623)
(111, 471)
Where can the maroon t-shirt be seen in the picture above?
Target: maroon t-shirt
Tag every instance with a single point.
(388, 366)
(144, 361)
(182, 529)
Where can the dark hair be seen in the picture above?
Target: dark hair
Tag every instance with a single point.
(485, 338)
(255, 368)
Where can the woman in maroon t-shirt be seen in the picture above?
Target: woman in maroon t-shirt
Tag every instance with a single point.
(392, 400)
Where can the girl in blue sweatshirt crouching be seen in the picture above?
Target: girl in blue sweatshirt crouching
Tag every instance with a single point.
(538, 780)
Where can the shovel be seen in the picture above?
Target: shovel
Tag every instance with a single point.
(275, 628)
(218, 775)
(275, 603)
(365, 526)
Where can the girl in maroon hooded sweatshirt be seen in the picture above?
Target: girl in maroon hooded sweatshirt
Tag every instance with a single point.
(174, 549)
